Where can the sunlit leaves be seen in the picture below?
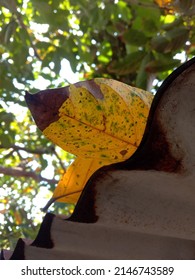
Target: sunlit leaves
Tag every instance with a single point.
(118, 29)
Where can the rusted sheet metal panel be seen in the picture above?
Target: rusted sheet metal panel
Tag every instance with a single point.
(100, 241)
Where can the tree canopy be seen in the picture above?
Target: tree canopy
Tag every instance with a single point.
(132, 41)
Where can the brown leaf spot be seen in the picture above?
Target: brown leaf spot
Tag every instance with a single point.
(123, 152)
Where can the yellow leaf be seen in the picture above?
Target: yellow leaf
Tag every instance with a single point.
(163, 3)
(75, 178)
(99, 131)
(4, 200)
(28, 189)
(18, 218)
(171, 6)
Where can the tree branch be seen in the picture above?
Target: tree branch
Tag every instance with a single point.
(30, 39)
(24, 26)
(19, 172)
(30, 151)
(59, 159)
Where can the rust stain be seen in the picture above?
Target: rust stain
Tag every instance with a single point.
(85, 210)
(153, 154)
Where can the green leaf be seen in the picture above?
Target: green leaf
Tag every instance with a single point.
(178, 22)
(142, 76)
(5, 140)
(43, 7)
(43, 162)
(8, 31)
(178, 37)
(160, 44)
(135, 37)
(162, 63)
(6, 117)
(124, 11)
(171, 41)
(128, 64)
(147, 19)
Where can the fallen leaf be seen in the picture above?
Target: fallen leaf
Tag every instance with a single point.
(101, 121)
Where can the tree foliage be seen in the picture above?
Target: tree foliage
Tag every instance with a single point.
(135, 42)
